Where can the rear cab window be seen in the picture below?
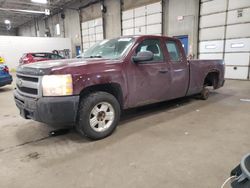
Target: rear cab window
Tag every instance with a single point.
(173, 51)
(55, 56)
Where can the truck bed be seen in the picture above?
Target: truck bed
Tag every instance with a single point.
(200, 69)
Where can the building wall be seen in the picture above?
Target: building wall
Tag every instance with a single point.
(72, 29)
(27, 30)
(12, 32)
(188, 25)
(112, 26)
(112, 19)
(12, 48)
(69, 27)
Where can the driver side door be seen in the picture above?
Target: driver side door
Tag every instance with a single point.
(148, 81)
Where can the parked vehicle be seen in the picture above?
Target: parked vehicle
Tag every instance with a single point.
(5, 77)
(116, 74)
(35, 57)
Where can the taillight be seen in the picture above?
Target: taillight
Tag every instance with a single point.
(27, 59)
(6, 69)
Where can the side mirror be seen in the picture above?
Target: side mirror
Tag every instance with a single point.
(143, 56)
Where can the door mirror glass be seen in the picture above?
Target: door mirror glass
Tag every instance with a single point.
(143, 56)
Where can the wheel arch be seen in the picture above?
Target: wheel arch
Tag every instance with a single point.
(212, 79)
(111, 88)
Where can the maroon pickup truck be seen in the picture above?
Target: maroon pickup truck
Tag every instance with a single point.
(113, 75)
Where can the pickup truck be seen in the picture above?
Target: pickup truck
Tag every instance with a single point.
(126, 72)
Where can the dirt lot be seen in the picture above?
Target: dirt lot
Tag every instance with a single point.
(185, 143)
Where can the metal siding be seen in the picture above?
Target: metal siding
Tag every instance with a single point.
(213, 6)
(215, 33)
(128, 31)
(211, 46)
(140, 30)
(211, 56)
(146, 19)
(128, 24)
(128, 14)
(239, 59)
(238, 45)
(140, 11)
(233, 16)
(154, 8)
(141, 21)
(154, 19)
(154, 29)
(92, 32)
(212, 20)
(236, 72)
(237, 37)
(233, 4)
(237, 31)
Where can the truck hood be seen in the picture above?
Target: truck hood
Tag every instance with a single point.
(46, 67)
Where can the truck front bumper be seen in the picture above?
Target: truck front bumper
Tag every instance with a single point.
(49, 110)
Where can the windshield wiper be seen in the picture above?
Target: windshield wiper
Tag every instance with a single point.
(94, 56)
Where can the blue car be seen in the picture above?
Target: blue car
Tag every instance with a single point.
(5, 77)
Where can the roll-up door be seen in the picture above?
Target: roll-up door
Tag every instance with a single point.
(91, 25)
(92, 32)
(143, 20)
(224, 34)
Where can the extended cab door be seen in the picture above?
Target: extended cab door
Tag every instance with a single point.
(179, 68)
(148, 81)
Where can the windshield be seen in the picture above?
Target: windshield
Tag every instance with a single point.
(110, 49)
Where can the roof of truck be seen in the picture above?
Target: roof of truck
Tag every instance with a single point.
(145, 36)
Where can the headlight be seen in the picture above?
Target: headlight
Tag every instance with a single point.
(57, 85)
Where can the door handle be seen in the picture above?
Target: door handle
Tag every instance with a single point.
(163, 71)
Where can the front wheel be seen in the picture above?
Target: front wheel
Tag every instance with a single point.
(98, 115)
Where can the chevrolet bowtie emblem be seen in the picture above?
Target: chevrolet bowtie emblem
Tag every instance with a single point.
(19, 83)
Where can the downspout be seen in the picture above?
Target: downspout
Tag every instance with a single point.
(225, 32)
(103, 9)
(35, 27)
(198, 34)
(80, 20)
(121, 9)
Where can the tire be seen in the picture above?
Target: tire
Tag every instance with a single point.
(204, 94)
(98, 115)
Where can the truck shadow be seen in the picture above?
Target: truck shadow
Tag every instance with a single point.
(171, 109)
(5, 89)
(126, 127)
(132, 122)
(166, 106)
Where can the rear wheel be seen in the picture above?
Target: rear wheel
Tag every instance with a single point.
(98, 115)
(204, 94)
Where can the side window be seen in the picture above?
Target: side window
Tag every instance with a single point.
(173, 51)
(152, 45)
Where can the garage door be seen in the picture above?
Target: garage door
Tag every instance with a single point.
(143, 20)
(92, 32)
(224, 34)
(91, 25)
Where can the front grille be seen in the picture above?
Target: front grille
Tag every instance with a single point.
(32, 79)
(28, 85)
(28, 90)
